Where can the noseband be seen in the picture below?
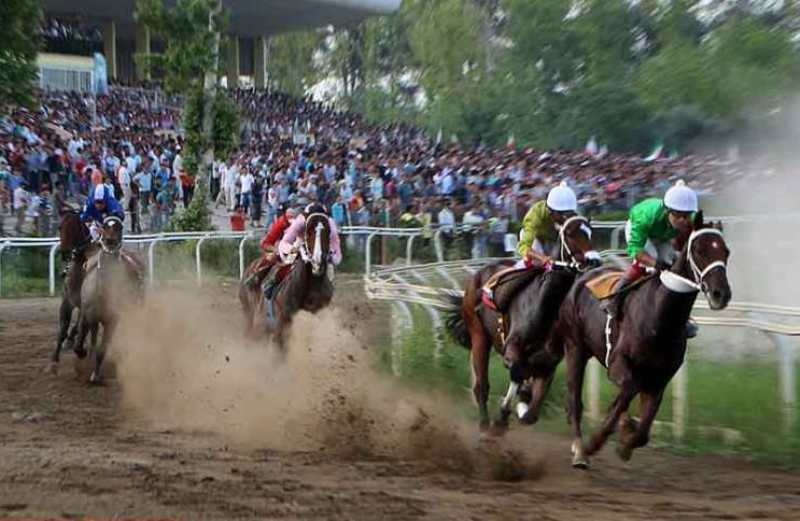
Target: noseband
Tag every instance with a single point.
(111, 220)
(682, 284)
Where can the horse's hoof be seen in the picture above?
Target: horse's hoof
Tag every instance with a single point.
(529, 418)
(81, 353)
(624, 452)
(579, 459)
(522, 410)
(95, 379)
(498, 428)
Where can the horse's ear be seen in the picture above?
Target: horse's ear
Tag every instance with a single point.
(718, 225)
(698, 220)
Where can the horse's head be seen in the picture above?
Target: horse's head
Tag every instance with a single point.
(111, 234)
(317, 242)
(575, 243)
(704, 258)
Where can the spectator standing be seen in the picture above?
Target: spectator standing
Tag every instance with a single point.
(21, 201)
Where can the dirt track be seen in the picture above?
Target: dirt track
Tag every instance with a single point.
(70, 450)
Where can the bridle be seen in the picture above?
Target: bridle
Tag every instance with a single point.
(112, 250)
(682, 284)
(315, 257)
(566, 251)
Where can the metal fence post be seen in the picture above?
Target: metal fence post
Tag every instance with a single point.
(2, 247)
(368, 253)
(52, 268)
(615, 233)
(197, 259)
(409, 246)
(241, 255)
(151, 258)
(437, 245)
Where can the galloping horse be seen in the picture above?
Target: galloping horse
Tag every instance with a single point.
(307, 285)
(107, 282)
(74, 241)
(531, 316)
(644, 349)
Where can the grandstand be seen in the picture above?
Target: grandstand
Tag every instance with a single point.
(252, 22)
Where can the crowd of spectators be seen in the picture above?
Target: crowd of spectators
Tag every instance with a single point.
(295, 151)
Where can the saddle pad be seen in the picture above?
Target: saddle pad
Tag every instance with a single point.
(506, 284)
(604, 285)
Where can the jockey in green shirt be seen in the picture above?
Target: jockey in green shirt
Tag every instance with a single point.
(652, 226)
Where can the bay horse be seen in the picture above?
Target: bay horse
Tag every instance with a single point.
(645, 346)
(531, 316)
(108, 281)
(74, 241)
(306, 285)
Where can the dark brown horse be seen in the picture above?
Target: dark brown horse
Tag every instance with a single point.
(306, 285)
(74, 241)
(531, 316)
(646, 345)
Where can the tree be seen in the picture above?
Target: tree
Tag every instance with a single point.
(19, 25)
(291, 64)
(192, 35)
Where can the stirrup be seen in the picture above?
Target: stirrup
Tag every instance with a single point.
(691, 329)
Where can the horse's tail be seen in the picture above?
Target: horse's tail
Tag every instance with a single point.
(455, 324)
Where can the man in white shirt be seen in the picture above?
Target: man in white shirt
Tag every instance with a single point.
(246, 182)
(21, 201)
(124, 180)
(231, 176)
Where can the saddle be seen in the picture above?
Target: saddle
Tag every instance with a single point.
(604, 286)
(506, 284)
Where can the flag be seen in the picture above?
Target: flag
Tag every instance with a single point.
(603, 151)
(439, 136)
(591, 146)
(454, 139)
(511, 143)
(656, 153)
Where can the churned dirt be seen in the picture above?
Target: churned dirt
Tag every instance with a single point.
(195, 421)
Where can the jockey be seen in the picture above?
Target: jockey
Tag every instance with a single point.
(539, 232)
(269, 245)
(295, 232)
(541, 223)
(100, 204)
(652, 226)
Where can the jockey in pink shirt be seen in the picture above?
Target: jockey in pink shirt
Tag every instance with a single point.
(297, 230)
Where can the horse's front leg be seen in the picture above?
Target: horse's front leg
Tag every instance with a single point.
(100, 354)
(634, 436)
(620, 372)
(64, 317)
(576, 366)
(82, 331)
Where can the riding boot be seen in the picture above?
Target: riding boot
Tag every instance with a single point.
(613, 305)
(269, 283)
(691, 328)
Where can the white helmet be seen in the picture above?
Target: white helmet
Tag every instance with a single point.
(681, 198)
(562, 199)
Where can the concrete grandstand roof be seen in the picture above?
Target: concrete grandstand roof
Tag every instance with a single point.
(247, 17)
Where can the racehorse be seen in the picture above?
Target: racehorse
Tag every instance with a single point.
(74, 240)
(531, 316)
(644, 348)
(306, 284)
(107, 282)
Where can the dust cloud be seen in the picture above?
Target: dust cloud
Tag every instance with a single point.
(183, 363)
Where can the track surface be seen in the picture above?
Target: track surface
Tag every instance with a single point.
(70, 450)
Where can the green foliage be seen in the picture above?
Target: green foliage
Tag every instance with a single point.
(555, 73)
(291, 66)
(19, 25)
(191, 32)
